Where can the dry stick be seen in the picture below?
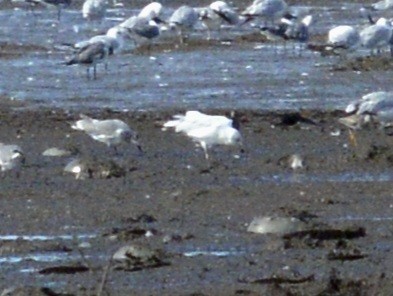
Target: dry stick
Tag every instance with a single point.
(104, 277)
(87, 263)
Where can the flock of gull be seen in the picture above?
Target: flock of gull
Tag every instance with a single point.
(276, 22)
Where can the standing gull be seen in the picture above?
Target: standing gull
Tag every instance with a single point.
(289, 30)
(140, 28)
(376, 36)
(11, 156)
(113, 40)
(182, 19)
(112, 132)
(216, 14)
(270, 10)
(90, 56)
(373, 107)
(207, 130)
(343, 38)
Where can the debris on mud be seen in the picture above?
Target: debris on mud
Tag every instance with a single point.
(136, 257)
(369, 63)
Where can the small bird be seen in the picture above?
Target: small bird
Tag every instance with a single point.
(110, 131)
(11, 156)
(94, 9)
(183, 19)
(90, 55)
(207, 130)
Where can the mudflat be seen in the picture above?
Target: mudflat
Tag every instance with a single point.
(184, 219)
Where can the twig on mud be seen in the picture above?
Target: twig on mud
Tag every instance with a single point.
(104, 277)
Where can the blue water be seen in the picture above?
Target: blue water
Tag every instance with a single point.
(229, 74)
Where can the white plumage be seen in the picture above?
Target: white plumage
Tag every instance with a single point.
(110, 131)
(269, 9)
(376, 36)
(94, 9)
(11, 156)
(207, 130)
(345, 37)
(377, 105)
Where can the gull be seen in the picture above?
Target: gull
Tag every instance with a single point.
(343, 38)
(382, 5)
(139, 28)
(196, 119)
(299, 31)
(207, 130)
(376, 36)
(113, 40)
(112, 132)
(94, 9)
(216, 14)
(11, 156)
(184, 18)
(152, 11)
(375, 106)
(90, 55)
(59, 4)
(289, 30)
(268, 9)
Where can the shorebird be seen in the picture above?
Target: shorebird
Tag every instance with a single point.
(94, 9)
(90, 56)
(182, 19)
(112, 132)
(376, 36)
(207, 130)
(11, 156)
(344, 39)
(270, 10)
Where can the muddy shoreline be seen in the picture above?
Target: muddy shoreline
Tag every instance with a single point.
(195, 212)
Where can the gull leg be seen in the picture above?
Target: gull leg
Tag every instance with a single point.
(352, 138)
(204, 147)
(95, 72)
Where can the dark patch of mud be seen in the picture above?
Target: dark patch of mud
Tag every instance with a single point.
(175, 202)
(368, 63)
(14, 50)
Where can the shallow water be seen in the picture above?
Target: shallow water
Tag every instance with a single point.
(248, 75)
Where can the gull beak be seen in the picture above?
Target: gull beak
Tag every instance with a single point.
(137, 145)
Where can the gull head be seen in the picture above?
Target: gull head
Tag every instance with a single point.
(129, 136)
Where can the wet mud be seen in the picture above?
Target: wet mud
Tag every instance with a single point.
(176, 224)
(167, 221)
